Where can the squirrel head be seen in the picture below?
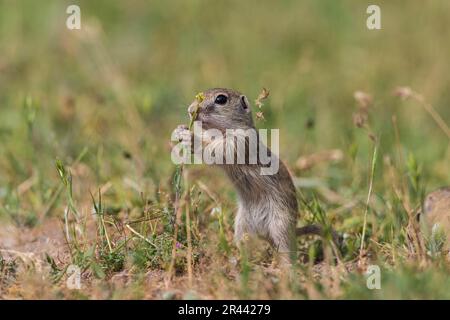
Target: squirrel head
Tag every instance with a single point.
(222, 109)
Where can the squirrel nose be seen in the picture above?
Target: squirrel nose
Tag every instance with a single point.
(192, 108)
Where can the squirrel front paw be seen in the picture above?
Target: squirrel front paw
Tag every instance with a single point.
(182, 134)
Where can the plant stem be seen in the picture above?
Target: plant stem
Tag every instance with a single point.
(369, 194)
(189, 240)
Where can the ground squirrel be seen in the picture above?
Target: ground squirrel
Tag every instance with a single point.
(267, 204)
(436, 212)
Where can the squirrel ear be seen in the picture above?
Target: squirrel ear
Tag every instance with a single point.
(245, 104)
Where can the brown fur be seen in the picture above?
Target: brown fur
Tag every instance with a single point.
(267, 204)
(437, 212)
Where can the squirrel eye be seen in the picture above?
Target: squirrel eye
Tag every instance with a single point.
(221, 99)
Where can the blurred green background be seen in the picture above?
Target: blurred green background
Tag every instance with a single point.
(122, 83)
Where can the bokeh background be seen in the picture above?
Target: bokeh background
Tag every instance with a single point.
(122, 83)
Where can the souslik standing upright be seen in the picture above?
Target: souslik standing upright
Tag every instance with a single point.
(267, 204)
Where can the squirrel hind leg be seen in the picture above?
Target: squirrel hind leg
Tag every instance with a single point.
(285, 244)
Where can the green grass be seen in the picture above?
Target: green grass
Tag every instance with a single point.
(101, 103)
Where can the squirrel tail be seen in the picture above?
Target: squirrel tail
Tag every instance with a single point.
(315, 229)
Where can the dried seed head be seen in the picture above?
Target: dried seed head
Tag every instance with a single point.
(262, 96)
(260, 116)
(363, 99)
(372, 137)
(403, 92)
(359, 119)
(258, 102)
